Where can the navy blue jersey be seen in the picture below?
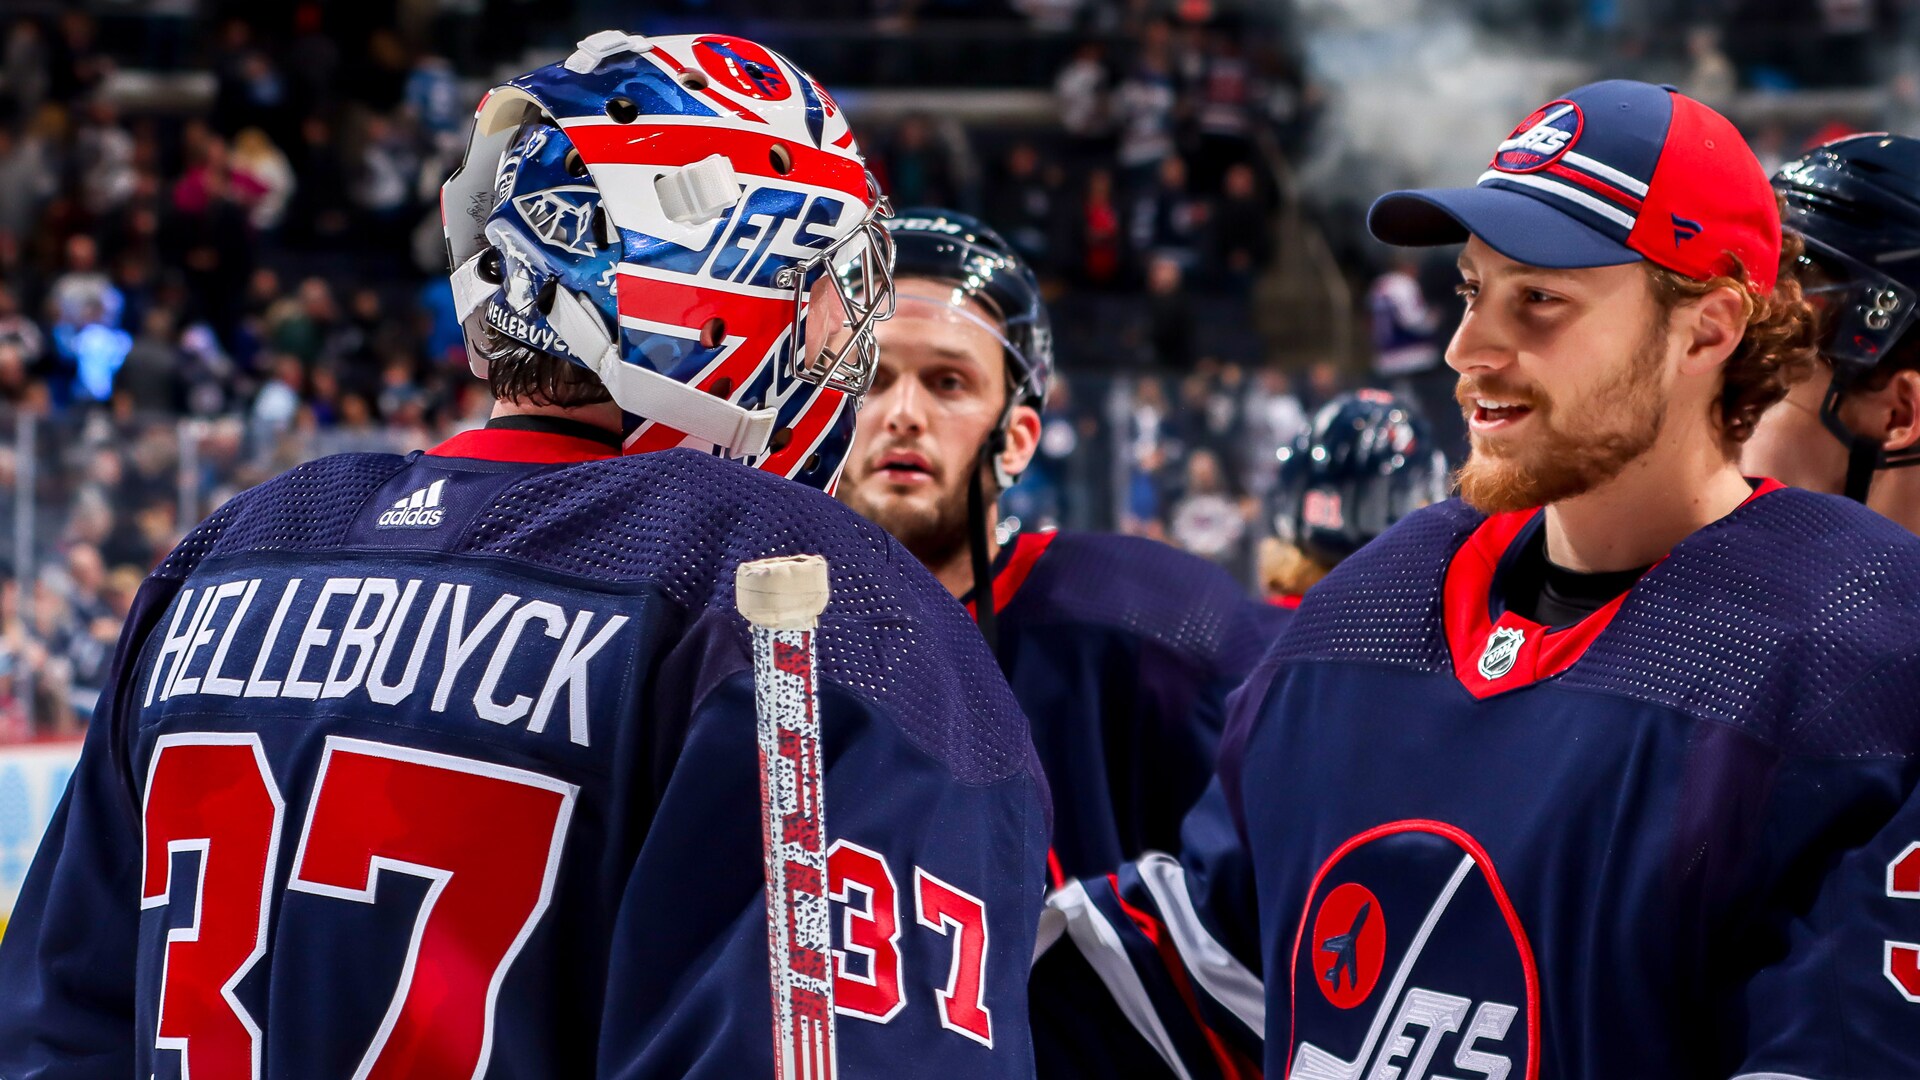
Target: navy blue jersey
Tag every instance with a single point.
(1680, 838)
(1122, 652)
(443, 766)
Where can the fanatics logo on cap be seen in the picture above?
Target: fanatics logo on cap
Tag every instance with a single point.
(1503, 648)
(1541, 139)
(420, 510)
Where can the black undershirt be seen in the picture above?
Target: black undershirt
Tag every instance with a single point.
(557, 425)
(1533, 587)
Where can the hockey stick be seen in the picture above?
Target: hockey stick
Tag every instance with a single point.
(782, 600)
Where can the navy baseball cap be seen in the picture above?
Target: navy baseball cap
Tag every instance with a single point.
(1613, 173)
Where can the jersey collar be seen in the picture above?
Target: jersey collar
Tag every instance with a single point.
(533, 440)
(1493, 655)
(1011, 567)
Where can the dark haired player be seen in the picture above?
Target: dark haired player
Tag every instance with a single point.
(443, 766)
(1854, 428)
(1121, 650)
(1607, 770)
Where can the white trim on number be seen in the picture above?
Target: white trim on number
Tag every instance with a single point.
(944, 998)
(437, 875)
(847, 914)
(192, 933)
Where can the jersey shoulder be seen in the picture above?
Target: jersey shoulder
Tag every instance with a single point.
(680, 522)
(1149, 590)
(1797, 619)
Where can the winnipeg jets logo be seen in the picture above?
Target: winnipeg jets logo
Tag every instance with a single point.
(1421, 965)
(561, 217)
(1541, 139)
(1503, 648)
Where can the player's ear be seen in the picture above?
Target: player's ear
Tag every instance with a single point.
(1714, 324)
(1023, 439)
(1901, 400)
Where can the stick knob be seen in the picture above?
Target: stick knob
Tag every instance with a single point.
(785, 593)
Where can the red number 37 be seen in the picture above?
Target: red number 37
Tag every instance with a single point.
(375, 809)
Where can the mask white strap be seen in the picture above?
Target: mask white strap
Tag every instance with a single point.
(642, 391)
(698, 192)
(469, 288)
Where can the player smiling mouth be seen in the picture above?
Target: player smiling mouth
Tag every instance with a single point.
(1491, 410)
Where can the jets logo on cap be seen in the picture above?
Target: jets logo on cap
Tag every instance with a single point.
(1541, 139)
(1503, 648)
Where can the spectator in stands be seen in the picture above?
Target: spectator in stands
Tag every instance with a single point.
(1099, 233)
(1144, 106)
(1404, 327)
(79, 67)
(1023, 204)
(918, 170)
(1711, 77)
(278, 403)
(1274, 417)
(1224, 110)
(1169, 221)
(1170, 324)
(1242, 230)
(1082, 89)
(153, 376)
(1206, 519)
(303, 325)
(266, 170)
(84, 293)
(27, 70)
(19, 331)
(104, 157)
(26, 181)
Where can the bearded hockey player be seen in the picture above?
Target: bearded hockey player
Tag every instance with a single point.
(1120, 650)
(1367, 461)
(443, 766)
(1607, 770)
(1854, 428)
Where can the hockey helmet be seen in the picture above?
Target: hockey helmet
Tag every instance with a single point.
(1366, 462)
(690, 219)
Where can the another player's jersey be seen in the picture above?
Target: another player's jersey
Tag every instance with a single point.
(445, 765)
(1122, 652)
(1680, 838)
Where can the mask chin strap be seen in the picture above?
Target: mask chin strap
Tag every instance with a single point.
(738, 431)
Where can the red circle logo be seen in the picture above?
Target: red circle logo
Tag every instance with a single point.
(1349, 945)
(742, 67)
(1541, 139)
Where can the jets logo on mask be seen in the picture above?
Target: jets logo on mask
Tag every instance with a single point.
(1503, 648)
(561, 217)
(1418, 963)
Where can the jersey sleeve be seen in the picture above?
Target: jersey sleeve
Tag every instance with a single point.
(1843, 1003)
(935, 876)
(67, 987)
(1172, 944)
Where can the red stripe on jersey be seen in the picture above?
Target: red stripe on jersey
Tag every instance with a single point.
(749, 152)
(1232, 1065)
(1058, 877)
(1027, 549)
(533, 447)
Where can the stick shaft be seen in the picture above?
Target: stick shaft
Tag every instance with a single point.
(793, 830)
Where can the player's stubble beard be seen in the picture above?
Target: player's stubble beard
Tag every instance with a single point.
(935, 532)
(1563, 459)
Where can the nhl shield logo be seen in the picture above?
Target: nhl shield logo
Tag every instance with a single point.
(1503, 648)
(1419, 963)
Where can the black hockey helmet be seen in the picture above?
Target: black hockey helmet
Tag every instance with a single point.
(1856, 202)
(1367, 461)
(948, 246)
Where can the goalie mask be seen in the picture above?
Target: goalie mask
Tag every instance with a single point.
(689, 219)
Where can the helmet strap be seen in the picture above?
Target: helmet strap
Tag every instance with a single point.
(1863, 460)
(979, 521)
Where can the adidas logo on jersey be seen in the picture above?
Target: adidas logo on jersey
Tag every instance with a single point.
(420, 510)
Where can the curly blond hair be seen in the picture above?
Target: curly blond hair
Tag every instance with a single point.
(1778, 350)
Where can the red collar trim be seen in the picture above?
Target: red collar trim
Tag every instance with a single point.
(1525, 651)
(531, 447)
(1289, 601)
(1027, 549)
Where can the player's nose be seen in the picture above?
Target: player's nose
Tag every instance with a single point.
(904, 407)
(1480, 344)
